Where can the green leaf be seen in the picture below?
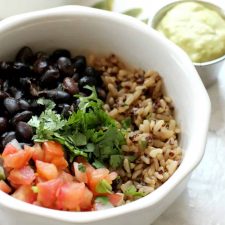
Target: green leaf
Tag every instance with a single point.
(102, 199)
(105, 4)
(81, 167)
(116, 161)
(132, 191)
(126, 123)
(35, 189)
(78, 139)
(89, 132)
(2, 173)
(135, 12)
(143, 144)
(103, 187)
(131, 158)
(46, 102)
(90, 147)
(97, 164)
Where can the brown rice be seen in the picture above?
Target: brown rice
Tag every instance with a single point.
(136, 94)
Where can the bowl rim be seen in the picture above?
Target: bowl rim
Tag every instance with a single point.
(160, 193)
(161, 11)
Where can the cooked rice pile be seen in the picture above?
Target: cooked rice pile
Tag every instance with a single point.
(154, 138)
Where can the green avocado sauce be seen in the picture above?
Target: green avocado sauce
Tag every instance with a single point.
(197, 29)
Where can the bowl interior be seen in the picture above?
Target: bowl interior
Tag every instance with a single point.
(83, 30)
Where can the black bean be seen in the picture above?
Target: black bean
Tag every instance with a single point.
(49, 78)
(65, 66)
(101, 93)
(60, 53)
(5, 69)
(3, 125)
(40, 66)
(79, 63)
(7, 137)
(70, 86)
(25, 84)
(92, 72)
(24, 116)
(40, 55)
(76, 77)
(36, 108)
(11, 104)
(6, 86)
(21, 69)
(17, 94)
(64, 110)
(55, 95)
(3, 95)
(87, 80)
(24, 131)
(25, 55)
(23, 104)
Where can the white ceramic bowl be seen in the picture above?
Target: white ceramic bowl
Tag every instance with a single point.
(83, 30)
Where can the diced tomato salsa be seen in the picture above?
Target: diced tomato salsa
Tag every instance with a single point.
(41, 175)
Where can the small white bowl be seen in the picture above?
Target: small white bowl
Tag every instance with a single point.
(84, 30)
(208, 71)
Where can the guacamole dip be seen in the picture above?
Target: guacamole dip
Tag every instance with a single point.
(199, 30)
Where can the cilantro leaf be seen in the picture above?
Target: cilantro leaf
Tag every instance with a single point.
(35, 189)
(103, 187)
(126, 123)
(104, 200)
(97, 164)
(81, 167)
(132, 191)
(89, 132)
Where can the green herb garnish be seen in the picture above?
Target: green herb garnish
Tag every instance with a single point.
(88, 132)
(102, 199)
(2, 173)
(81, 167)
(97, 164)
(132, 191)
(103, 187)
(126, 123)
(35, 189)
(143, 144)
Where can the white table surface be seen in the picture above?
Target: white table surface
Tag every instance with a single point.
(203, 201)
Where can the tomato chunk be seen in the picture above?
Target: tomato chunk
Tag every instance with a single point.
(47, 192)
(25, 193)
(70, 196)
(86, 200)
(66, 177)
(5, 187)
(116, 199)
(47, 171)
(80, 172)
(9, 149)
(52, 149)
(60, 162)
(23, 176)
(37, 151)
(17, 160)
(96, 176)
